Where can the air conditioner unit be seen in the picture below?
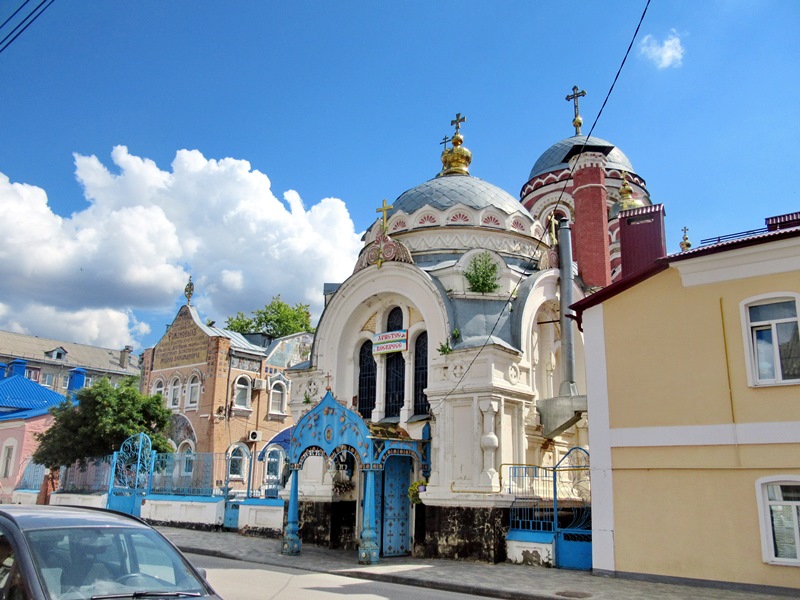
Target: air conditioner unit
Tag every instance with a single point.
(254, 436)
(260, 384)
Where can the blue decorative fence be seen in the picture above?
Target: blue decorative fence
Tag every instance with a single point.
(32, 477)
(553, 505)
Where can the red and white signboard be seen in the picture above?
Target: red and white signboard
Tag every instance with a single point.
(391, 341)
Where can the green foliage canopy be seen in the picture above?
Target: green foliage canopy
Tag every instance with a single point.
(276, 319)
(102, 419)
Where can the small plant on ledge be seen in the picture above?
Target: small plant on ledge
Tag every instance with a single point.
(414, 489)
(444, 348)
(306, 398)
(481, 274)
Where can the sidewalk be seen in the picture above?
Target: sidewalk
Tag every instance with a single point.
(498, 581)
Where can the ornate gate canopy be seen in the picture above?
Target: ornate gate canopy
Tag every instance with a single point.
(330, 428)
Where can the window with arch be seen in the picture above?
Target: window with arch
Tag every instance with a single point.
(236, 462)
(7, 466)
(421, 405)
(779, 516)
(241, 392)
(193, 394)
(186, 452)
(175, 393)
(274, 471)
(277, 399)
(394, 392)
(158, 388)
(773, 343)
(367, 371)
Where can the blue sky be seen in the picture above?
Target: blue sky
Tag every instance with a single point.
(248, 143)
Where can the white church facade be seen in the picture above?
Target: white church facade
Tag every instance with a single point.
(445, 360)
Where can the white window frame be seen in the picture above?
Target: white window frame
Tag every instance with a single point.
(65, 381)
(48, 380)
(747, 335)
(245, 462)
(279, 387)
(242, 386)
(193, 391)
(765, 522)
(158, 388)
(7, 456)
(186, 451)
(174, 392)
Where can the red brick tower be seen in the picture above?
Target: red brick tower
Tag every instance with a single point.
(591, 218)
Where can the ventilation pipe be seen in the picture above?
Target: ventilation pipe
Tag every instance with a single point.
(562, 412)
(568, 387)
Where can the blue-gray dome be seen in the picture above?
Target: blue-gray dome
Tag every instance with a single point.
(553, 158)
(442, 193)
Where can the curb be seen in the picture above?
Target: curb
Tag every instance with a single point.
(445, 586)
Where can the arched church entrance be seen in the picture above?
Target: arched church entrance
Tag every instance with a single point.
(380, 458)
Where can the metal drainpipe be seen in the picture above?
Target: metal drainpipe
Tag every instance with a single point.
(568, 387)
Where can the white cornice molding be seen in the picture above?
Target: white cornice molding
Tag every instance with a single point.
(767, 258)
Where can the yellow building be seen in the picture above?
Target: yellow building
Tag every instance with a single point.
(693, 380)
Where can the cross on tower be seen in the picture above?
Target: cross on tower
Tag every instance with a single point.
(328, 377)
(384, 209)
(577, 121)
(685, 230)
(458, 121)
(445, 141)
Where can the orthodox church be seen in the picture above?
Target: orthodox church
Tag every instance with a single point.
(448, 356)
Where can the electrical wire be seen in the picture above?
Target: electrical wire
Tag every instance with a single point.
(530, 264)
(25, 23)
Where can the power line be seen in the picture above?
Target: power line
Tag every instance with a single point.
(25, 23)
(530, 264)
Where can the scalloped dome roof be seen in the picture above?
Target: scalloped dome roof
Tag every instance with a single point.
(442, 193)
(553, 158)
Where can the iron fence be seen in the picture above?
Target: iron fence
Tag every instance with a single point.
(32, 476)
(90, 477)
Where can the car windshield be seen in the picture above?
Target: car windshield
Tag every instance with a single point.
(84, 562)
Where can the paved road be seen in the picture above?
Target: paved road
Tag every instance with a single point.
(241, 580)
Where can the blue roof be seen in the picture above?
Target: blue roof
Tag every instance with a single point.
(445, 192)
(21, 395)
(553, 158)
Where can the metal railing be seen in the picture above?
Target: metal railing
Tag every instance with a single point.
(32, 477)
(88, 478)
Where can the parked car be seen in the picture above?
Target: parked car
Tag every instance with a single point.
(71, 553)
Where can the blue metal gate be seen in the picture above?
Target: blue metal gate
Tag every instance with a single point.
(130, 474)
(396, 506)
(572, 506)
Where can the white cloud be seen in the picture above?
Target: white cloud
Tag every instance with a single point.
(145, 230)
(668, 53)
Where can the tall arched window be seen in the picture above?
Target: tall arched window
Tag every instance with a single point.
(158, 388)
(366, 380)
(194, 391)
(421, 405)
(186, 452)
(394, 322)
(236, 463)
(175, 393)
(395, 369)
(241, 392)
(277, 399)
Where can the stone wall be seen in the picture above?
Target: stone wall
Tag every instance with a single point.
(463, 533)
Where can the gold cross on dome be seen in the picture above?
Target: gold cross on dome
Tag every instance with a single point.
(577, 121)
(458, 121)
(384, 209)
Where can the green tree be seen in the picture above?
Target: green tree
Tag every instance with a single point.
(102, 419)
(275, 320)
(481, 274)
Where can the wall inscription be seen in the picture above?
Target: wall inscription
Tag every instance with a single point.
(183, 344)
